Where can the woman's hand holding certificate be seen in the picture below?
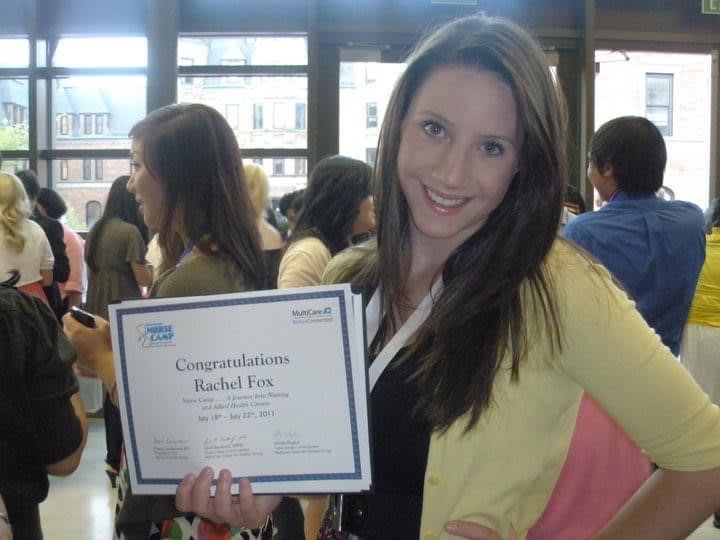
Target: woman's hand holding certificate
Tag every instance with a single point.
(242, 510)
(245, 379)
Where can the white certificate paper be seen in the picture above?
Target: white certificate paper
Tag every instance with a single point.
(271, 385)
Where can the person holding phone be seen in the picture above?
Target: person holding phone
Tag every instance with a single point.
(198, 202)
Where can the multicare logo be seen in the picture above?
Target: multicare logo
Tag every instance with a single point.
(304, 316)
(156, 335)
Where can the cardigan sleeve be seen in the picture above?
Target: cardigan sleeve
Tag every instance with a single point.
(611, 352)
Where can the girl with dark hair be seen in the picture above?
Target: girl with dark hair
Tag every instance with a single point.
(337, 206)
(502, 357)
(115, 257)
(115, 251)
(188, 181)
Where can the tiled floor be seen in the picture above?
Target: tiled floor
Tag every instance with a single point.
(80, 507)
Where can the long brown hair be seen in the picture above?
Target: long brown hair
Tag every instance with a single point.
(495, 282)
(192, 151)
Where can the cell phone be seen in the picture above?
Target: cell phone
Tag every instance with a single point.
(83, 317)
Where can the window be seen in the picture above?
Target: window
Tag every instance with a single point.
(268, 50)
(99, 124)
(93, 211)
(10, 113)
(659, 101)
(68, 175)
(63, 124)
(370, 155)
(87, 124)
(278, 167)
(281, 116)
(232, 115)
(113, 52)
(347, 75)
(371, 120)
(86, 169)
(120, 100)
(300, 166)
(299, 116)
(257, 161)
(14, 53)
(257, 116)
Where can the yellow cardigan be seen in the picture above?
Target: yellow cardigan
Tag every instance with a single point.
(502, 472)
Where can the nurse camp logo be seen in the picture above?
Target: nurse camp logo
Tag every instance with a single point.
(156, 335)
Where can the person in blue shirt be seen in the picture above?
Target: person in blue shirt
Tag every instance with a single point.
(654, 248)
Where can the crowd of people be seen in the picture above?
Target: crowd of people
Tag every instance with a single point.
(532, 386)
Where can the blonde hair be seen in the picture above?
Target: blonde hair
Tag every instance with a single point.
(258, 187)
(14, 210)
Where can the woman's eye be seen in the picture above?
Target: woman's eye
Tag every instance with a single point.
(492, 148)
(433, 129)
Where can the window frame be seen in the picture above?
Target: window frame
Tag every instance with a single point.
(371, 118)
(667, 130)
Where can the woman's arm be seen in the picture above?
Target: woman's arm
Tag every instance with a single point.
(69, 463)
(671, 504)
(47, 277)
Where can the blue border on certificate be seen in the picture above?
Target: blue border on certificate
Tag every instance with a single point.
(200, 304)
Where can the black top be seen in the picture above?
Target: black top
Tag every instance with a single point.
(61, 267)
(56, 236)
(38, 425)
(400, 438)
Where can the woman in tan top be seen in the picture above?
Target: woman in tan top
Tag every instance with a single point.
(337, 208)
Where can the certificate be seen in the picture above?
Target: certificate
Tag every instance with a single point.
(271, 385)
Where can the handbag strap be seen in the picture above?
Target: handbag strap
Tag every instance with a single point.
(401, 337)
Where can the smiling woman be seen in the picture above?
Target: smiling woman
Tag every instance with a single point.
(458, 152)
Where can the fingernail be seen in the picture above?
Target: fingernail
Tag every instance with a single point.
(225, 475)
(207, 471)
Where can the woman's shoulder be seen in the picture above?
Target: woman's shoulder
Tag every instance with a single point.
(117, 226)
(32, 229)
(269, 236)
(201, 274)
(350, 263)
(310, 244)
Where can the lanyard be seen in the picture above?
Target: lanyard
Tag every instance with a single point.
(398, 341)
